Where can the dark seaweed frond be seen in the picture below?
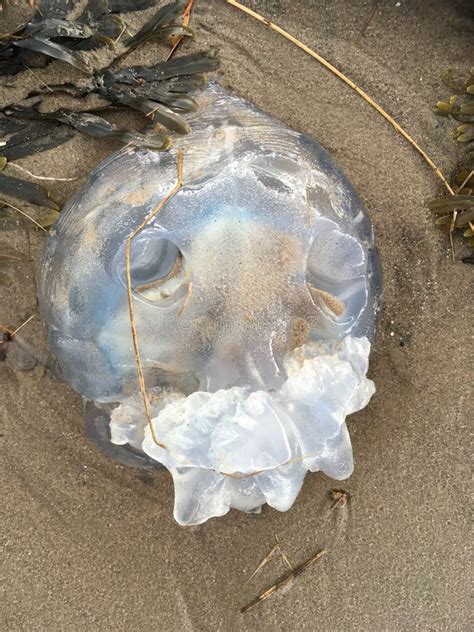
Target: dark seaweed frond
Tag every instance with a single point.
(94, 125)
(162, 92)
(460, 107)
(154, 26)
(33, 138)
(187, 65)
(24, 190)
(52, 49)
(456, 212)
(50, 33)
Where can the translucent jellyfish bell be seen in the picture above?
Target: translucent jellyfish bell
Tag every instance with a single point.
(255, 289)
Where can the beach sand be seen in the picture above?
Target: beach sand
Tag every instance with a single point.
(91, 545)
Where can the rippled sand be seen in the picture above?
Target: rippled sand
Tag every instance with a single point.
(91, 545)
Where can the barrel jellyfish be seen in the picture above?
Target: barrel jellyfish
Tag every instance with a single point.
(245, 262)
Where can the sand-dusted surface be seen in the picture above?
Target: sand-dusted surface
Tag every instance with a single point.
(91, 545)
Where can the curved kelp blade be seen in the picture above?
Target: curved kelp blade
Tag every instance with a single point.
(164, 16)
(450, 203)
(187, 65)
(157, 112)
(24, 190)
(182, 103)
(9, 125)
(51, 49)
(96, 126)
(34, 138)
(164, 32)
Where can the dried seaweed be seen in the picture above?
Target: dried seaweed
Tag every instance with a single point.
(161, 92)
(51, 34)
(155, 25)
(448, 204)
(460, 107)
(196, 63)
(94, 125)
(34, 138)
(457, 211)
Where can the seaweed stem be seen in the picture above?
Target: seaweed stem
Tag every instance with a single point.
(23, 213)
(186, 19)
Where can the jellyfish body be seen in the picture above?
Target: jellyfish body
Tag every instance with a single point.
(255, 288)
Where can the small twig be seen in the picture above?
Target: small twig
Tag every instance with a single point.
(282, 553)
(451, 230)
(265, 560)
(296, 459)
(465, 182)
(13, 332)
(14, 258)
(123, 28)
(186, 299)
(33, 175)
(23, 213)
(285, 580)
(23, 324)
(152, 112)
(348, 82)
(38, 78)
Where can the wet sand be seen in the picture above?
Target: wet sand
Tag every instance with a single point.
(91, 545)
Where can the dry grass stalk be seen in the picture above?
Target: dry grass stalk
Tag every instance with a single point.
(267, 558)
(282, 553)
(186, 19)
(451, 231)
(348, 82)
(284, 581)
(33, 175)
(23, 325)
(13, 332)
(340, 497)
(186, 299)
(38, 78)
(18, 210)
(466, 180)
(264, 561)
(133, 326)
(297, 459)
